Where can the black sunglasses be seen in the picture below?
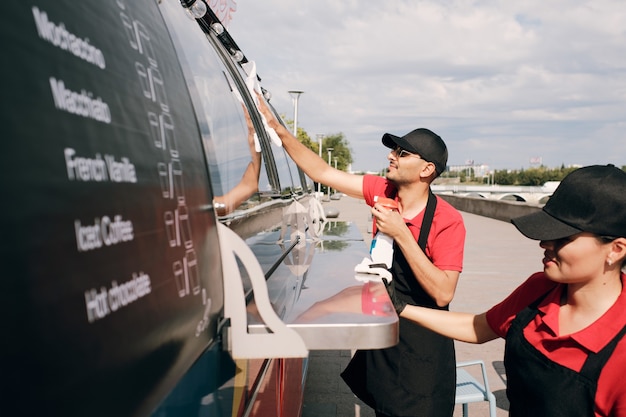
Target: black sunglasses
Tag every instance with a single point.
(401, 153)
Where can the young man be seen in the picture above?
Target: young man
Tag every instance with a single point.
(417, 376)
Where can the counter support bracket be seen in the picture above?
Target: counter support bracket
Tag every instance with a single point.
(282, 342)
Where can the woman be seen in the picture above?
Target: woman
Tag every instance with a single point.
(565, 352)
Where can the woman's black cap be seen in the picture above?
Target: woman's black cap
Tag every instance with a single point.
(591, 199)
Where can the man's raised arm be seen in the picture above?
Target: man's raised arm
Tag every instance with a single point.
(314, 166)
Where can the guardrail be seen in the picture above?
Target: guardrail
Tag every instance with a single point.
(495, 209)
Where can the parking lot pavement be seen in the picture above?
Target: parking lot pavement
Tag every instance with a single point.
(497, 259)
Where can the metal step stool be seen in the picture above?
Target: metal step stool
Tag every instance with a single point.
(469, 390)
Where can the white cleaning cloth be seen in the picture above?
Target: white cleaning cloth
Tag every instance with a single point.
(366, 271)
(252, 82)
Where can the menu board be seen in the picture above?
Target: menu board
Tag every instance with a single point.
(111, 280)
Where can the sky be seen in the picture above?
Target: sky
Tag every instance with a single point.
(506, 84)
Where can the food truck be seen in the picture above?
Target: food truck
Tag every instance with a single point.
(140, 277)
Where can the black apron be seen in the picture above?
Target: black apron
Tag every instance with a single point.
(537, 386)
(417, 377)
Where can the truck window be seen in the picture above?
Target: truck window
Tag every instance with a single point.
(220, 111)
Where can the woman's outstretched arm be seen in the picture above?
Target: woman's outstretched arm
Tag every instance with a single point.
(466, 327)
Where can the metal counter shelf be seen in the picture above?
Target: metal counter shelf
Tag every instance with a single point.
(316, 292)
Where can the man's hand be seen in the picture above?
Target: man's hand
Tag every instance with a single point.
(388, 221)
(267, 113)
(398, 304)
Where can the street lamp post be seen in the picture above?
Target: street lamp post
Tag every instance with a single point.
(330, 150)
(319, 147)
(295, 95)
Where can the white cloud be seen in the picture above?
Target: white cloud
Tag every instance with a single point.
(500, 81)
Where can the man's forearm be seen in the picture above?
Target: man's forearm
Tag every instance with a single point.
(437, 283)
(305, 158)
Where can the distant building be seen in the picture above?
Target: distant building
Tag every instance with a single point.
(481, 170)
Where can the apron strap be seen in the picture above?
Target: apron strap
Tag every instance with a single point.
(428, 220)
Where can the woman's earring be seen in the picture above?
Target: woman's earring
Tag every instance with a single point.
(609, 261)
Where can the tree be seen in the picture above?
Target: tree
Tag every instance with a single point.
(533, 176)
(341, 150)
(337, 141)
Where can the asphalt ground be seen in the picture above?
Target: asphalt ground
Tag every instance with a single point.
(497, 259)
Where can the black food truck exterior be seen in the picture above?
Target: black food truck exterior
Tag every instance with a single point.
(131, 285)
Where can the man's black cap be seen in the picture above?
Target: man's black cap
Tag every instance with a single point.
(423, 142)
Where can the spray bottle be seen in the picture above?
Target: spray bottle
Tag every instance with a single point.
(381, 250)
